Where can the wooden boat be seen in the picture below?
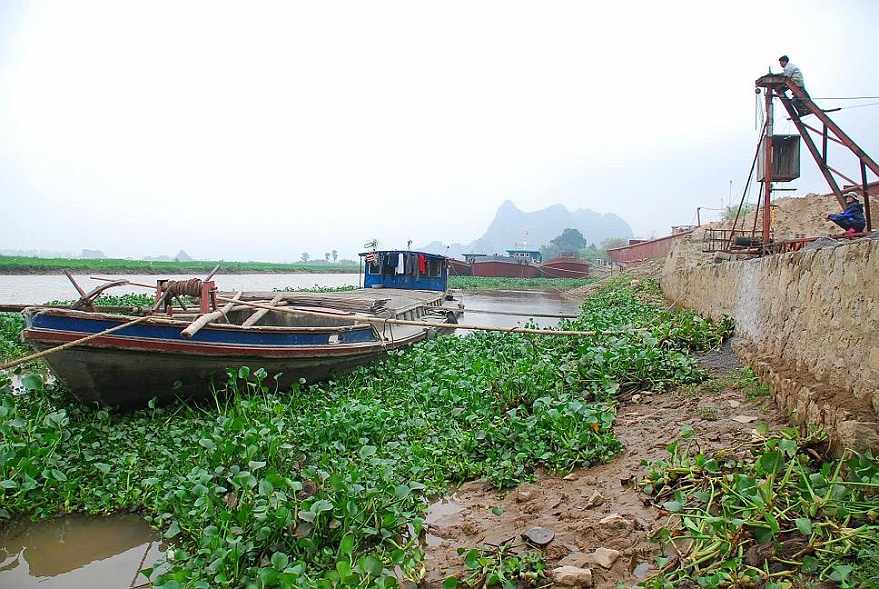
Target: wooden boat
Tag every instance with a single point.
(518, 263)
(125, 361)
(566, 265)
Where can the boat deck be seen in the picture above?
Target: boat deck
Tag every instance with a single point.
(381, 302)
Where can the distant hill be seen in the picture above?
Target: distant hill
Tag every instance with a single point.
(515, 229)
(181, 256)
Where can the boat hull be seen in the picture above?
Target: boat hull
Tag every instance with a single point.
(505, 269)
(151, 359)
(564, 268)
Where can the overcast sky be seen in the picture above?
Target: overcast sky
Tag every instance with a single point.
(253, 130)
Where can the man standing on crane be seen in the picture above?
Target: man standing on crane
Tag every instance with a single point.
(793, 72)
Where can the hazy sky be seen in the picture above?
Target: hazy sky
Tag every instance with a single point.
(253, 130)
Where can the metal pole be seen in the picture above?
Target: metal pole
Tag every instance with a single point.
(767, 168)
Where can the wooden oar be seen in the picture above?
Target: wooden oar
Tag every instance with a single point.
(78, 342)
(196, 325)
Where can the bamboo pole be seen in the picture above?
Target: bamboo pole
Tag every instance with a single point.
(203, 320)
(78, 342)
(260, 313)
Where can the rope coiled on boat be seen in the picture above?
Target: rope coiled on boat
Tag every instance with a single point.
(172, 289)
(177, 288)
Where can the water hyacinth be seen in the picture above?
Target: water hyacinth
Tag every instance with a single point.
(327, 484)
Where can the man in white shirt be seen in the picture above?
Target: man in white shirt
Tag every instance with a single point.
(793, 72)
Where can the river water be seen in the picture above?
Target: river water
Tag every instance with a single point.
(78, 552)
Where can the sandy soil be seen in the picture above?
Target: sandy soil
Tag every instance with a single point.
(795, 217)
(598, 518)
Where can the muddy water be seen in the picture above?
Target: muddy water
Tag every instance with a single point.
(78, 552)
(513, 308)
(24, 289)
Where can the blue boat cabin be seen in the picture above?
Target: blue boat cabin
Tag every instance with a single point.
(405, 269)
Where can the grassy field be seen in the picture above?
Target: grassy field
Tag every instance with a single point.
(28, 265)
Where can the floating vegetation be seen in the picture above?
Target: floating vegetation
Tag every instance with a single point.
(11, 347)
(327, 485)
(486, 282)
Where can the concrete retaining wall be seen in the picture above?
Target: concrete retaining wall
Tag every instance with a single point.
(807, 325)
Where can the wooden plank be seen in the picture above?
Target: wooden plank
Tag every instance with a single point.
(260, 313)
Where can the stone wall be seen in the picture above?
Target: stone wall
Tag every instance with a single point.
(806, 323)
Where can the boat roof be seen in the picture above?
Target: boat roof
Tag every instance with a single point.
(401, 251)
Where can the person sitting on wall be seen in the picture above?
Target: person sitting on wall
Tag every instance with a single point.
(852, 218)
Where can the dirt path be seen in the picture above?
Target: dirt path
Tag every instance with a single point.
(598, 518)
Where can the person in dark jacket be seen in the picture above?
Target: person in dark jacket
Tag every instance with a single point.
(852, 218)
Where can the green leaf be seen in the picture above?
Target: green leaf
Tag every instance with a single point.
(788, 446)
(841, 572)
(32, 382)
(343, 567)
(371, 565)
(321, 505)
(804, 525)
(172, 530)
(673, 506)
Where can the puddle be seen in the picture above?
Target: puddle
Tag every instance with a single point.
(446, 507)
(77, 552)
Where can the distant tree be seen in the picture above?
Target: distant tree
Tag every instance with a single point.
(335, 255)
(304, 257)
(612, 242)
(327, 256)
(571, 240)
(729, 213)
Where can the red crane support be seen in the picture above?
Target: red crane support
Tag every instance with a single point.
(775, 85)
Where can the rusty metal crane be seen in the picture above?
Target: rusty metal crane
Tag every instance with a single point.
(778, 157)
